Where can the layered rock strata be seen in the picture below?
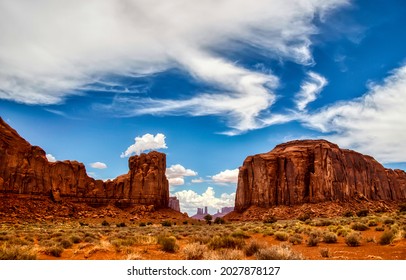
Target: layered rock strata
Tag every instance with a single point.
(312, 171)
(24, 169)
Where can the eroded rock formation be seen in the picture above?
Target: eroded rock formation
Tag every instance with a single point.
(174, 203)
(311, 171)
(24, 169)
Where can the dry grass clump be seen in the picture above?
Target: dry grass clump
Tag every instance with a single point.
(314, 238)
(55, 251)
(224, 254)
(359, 226)
(17, 252)
(325, 252)
(296, 239)
(253, 247)
(330, 237)
(353, 239)
(194, 251)
(281, 235)
(225, 242)
(282, 252)
(168, 243)
(386, 238)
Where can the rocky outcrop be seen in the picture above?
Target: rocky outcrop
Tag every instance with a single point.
(174, 203)
(312, 171)
(24, 169)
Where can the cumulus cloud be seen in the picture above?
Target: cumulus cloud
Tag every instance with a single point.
(373, 124)
(176, 174)
(189, 200)
(98, 165)
(53, 49)
(226, 176)
(50, 158)
(145, 143)
(309, 90)
(197, 181)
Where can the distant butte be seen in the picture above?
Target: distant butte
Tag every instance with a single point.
(25, 170)
(314, 171)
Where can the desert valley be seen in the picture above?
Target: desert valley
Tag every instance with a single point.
(305, 199)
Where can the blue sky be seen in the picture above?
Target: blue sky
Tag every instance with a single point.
(206, 82)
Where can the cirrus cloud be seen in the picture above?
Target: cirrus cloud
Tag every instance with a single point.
(50, 50)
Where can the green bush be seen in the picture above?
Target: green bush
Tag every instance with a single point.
(386, 238)
(353, 239)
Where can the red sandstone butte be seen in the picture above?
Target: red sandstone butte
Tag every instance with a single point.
(312, 171)
(24, 169)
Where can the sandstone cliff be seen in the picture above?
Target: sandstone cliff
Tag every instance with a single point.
(24, 169)
(311, 171)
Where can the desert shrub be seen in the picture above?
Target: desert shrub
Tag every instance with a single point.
(55, 251)
(296, 239)
(224, 254)
(149, 223)
(75, 239)
(17, 252)
(402, 207)
(363, 213)
(122, 224)
(168, 243)
(208, 219)
(386, 238)
(194, 251)
(388, 221)
(282, 252)
(269, 218)
(225, 242)
(303, 217)
(281, 235)
(325, 252)
(324, 222)
(372, 223)
(142, 224)
(166, 223)
(314, 239)
(66, 243)
(330, 237)
(379, 229)
(359, 226)
(253, 247)
(105, 223)
(185, 222)
(240, 234)
(348, 214)
(219, 220)
(353, 239)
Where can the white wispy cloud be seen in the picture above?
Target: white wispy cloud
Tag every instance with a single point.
(226, 176)
(98, 165)
(50, 50)
(50, 158)
(176, 173)
(309, 90)
(198, 180)
(373, 124)
(189, 200)
(145, 143)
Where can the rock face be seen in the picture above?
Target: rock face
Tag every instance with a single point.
(24, 169)
(174, 203)
(311, 171)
